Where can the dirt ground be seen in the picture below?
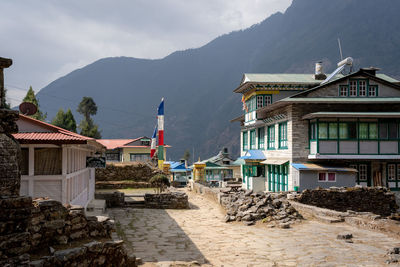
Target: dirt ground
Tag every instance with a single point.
(199, 235)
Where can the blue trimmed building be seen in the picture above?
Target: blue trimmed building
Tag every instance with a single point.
(301, 131)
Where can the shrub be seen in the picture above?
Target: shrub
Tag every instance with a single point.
(160, 182)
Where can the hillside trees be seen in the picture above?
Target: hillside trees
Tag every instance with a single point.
(65, 120)
(87, 107)
(4, 103)
(31, 98)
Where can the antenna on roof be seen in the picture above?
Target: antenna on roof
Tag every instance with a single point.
(340, 49)
(345, 62)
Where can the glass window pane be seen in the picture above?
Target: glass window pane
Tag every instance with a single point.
(362, 88)
(323, 130)
(391, 172)
(352, 130)
(331, 177)
(353, 88)
(321, 177)
(383, 130)
(343, 132)
(363, 134)
(393, 130)
(260, 101)
(373, 131)
(332, 130)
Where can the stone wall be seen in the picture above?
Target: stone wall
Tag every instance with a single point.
(377, 200)
(109, 253)
(210, 193)
(136, 172)
(171, 200)
(121, 184)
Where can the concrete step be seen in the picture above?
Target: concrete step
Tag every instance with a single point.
(98, 205)
(135, 203)
(328, 219)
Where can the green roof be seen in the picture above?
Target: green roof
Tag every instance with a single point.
(387, 78)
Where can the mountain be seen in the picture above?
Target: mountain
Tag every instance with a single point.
(197, 83)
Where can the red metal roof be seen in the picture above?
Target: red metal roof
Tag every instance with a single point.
(114, 143)
(55, 135)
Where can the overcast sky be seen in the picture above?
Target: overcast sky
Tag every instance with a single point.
(50, 38)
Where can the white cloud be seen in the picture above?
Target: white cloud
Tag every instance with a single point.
(48, 39)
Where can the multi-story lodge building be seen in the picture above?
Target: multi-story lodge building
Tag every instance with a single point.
(301, 131)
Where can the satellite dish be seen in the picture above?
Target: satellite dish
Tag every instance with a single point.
(27, 108)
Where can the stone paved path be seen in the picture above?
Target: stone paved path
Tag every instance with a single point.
(160, 237)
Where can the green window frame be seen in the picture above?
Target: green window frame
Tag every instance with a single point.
(271, 137)
(245, 141)
(368, 130)
(261, 137)
(358, 88)
(253, 139)
(393, 175)
(283, 139)
(388, 130)
(313, 131)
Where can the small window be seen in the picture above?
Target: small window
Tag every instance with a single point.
(331, 177)
(391, 172)
(283, 140)
(271, 137)
(362, 172)
(373, 131)
(373, 91)
(245, 141)
(383, 130)
(261, 135)
(343, 90)
(392, 130)
(362, 88)
(327, 177)
(268, 100)
(260, 101)
(321, 177)
(313, 135)
(322, 130)
(353, 88)
(363, 130)
(333, 130)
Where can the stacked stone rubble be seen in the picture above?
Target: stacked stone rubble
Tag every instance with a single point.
(250, 207)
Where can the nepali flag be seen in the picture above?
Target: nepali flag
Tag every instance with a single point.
(153, 142)
(160, 118)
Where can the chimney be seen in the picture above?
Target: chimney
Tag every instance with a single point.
(370, 70)
(319, 75)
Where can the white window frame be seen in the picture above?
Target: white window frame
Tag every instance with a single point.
(260, 101)
(391, 172)
(363, 172)
(343, 90)
(326, 174)
(362, 88)
(353, 88)
(268, 100)
(372, 91)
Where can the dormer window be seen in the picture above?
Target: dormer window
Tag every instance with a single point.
(358, 88)
(145, 142)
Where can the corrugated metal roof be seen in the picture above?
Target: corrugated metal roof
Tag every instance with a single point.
(341, 99)
(280, 78)
(25, 137)
(114, 143)
(253, 155)
(318, 167)
(387, 78)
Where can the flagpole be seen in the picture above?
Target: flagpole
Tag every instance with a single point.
(160, 118)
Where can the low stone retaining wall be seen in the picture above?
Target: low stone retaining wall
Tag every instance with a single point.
(109, 253)
(210, 193)
(172, 200)
(377, 200)
(134, 172)
(121, 184)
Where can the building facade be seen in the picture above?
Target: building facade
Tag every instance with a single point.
(128, 150)
(336, 133)
(54, 162)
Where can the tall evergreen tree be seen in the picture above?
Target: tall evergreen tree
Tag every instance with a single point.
(4, 100)
(87, 107)
(31, 97)
(65, 120)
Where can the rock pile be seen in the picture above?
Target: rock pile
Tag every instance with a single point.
(250, 207)
(393, 255)
(377, 200)
(52, 223)
(136, 172)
